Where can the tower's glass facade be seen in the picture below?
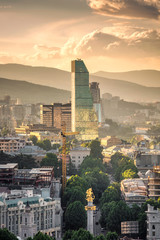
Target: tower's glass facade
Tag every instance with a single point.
(84, 119)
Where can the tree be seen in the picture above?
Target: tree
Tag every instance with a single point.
(24, 161)
(73, 194)
(100, 237)
(75, 216)
(96, 149)
(117, 214)
(47, 145)
(112, 193)
(5, 234)
(90, 163)
(98, 181)
(34, 139)
(111, 236)
(82, 234)
(113, 213)
(68, 235)
(77, 181)
(129, 174)
(51, 160)
(5, 131)
(42, 236)
(71, 170)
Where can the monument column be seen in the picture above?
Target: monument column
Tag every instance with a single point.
(90, 208)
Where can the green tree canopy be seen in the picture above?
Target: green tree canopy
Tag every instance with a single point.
(75, 216)
(34, 139)
(100, 237)
(51, 160)
(96, 149)
(73, 194)
(111, 236)
(113, 213)
(41, 236)
(6, 235)
(129, 174)
(90, 163)
(112, 193)
(80, 234)
(98, 181)
(77, 181)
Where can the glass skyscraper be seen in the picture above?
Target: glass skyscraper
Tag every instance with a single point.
(84, 119)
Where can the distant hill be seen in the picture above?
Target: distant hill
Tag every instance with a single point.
(32, 93)
(52, 77)
(60, 79)
(149, 78)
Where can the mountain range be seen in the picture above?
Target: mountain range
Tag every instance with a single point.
(148, 78)
(48, 84)
(32, 93)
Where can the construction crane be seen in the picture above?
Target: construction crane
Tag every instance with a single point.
(64, 134)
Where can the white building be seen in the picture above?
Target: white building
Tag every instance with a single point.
(153, 223)
(78, 154)
(45, 211)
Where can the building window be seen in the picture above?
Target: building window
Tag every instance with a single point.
(153, 227)
(153, 233)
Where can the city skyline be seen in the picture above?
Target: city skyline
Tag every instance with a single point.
(121, 35)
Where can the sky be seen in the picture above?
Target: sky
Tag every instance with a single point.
(109, 35)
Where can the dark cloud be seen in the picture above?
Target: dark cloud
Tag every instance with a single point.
(127, 8)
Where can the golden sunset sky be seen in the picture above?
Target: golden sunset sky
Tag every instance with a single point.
(109, 35)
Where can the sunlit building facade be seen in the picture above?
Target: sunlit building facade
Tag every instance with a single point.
(84, 119)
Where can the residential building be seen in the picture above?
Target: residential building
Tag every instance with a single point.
(78, 154)
(130, 228)
(26, 129)
(154, 183)
(11, 144)
(53, 137)
(84, 119)
(110, 141)
(153, 223)
(134, 191)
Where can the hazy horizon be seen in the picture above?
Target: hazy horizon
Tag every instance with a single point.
(112, 36)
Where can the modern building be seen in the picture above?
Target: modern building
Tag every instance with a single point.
(53, 115)
(95, 92)
(11, 144)
(84, 119)
(16, 215)
(153, 223)
(78, 154)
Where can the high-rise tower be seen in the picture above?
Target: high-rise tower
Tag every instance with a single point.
(84, 119)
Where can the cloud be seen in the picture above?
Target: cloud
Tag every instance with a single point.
(127, 8)
(140, 43)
